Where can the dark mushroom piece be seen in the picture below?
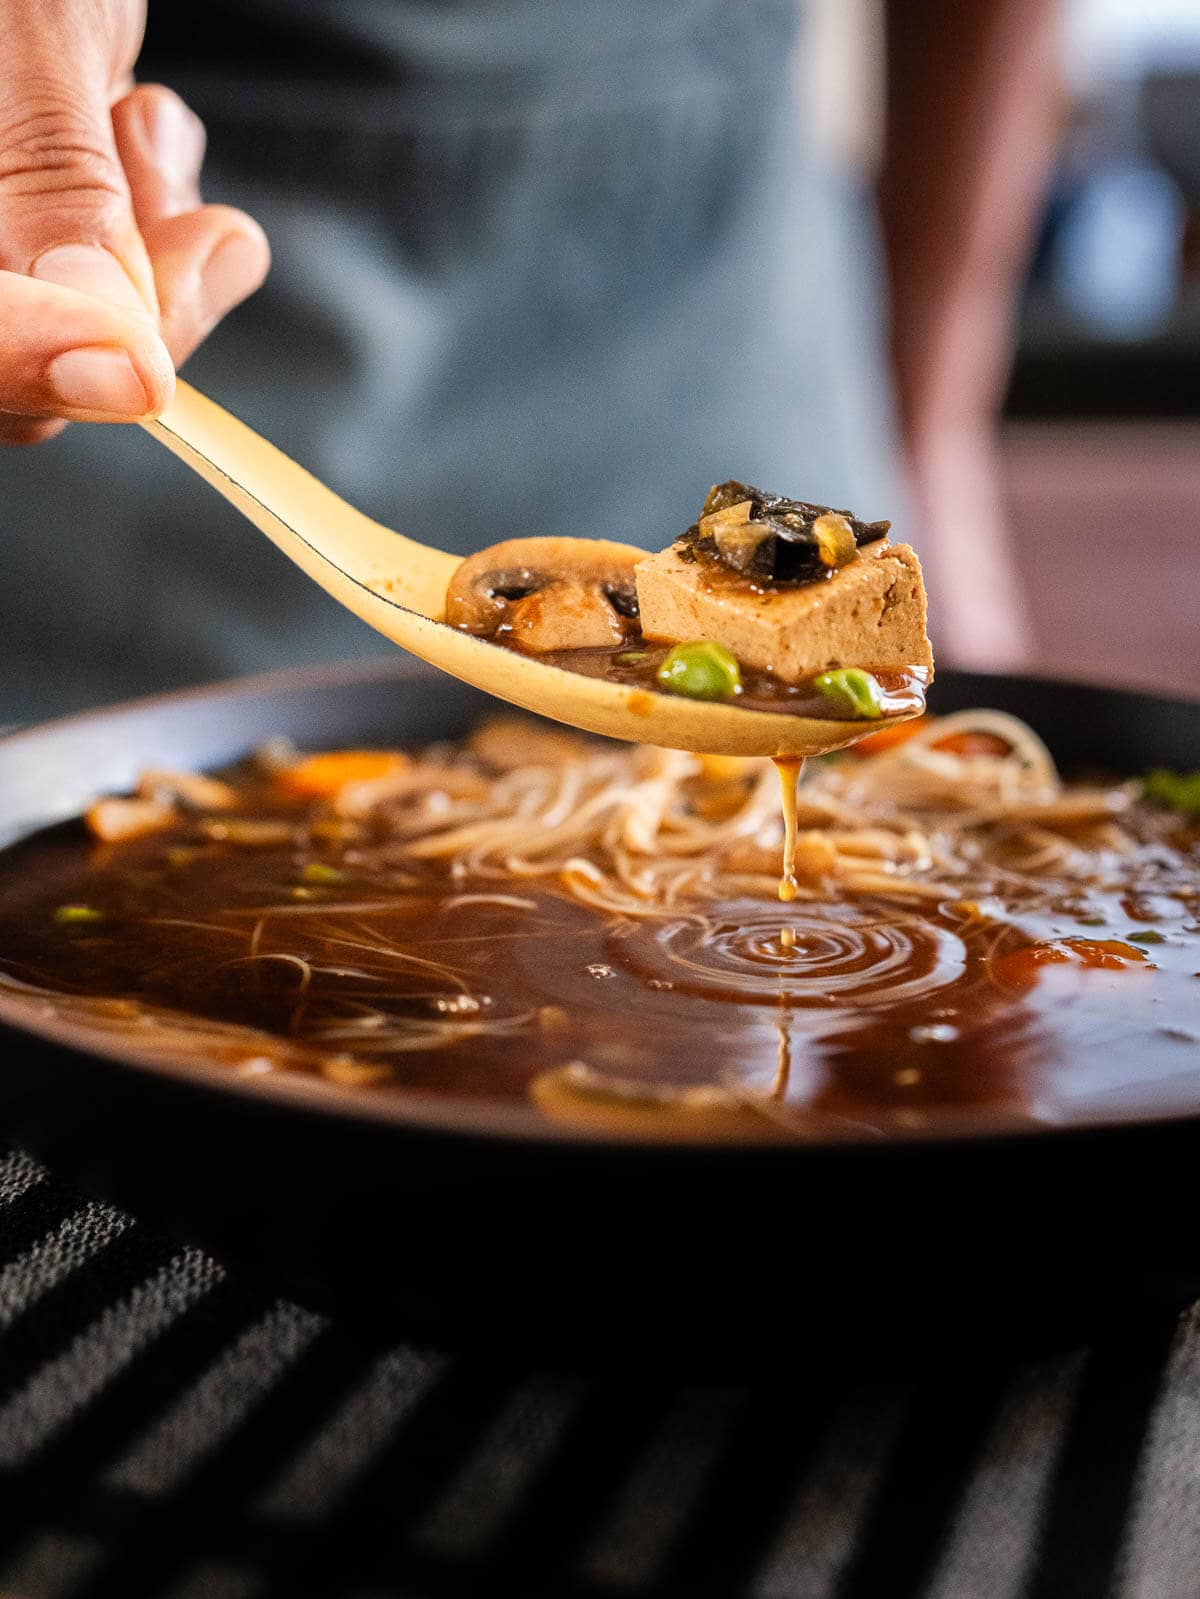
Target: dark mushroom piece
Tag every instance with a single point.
(548, 593)
(770, 539)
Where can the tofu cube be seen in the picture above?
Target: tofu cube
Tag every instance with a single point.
(869, 614)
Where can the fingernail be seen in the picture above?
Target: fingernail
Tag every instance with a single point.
(233, 270)
(91, 270)
(98, 379)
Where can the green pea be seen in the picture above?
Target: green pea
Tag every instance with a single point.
(71, 915)
(703, 670)
(858, 692)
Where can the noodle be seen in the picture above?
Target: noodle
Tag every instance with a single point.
(592, 926)
(617, 829)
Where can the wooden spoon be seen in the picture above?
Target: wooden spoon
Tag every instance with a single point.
(399, 587)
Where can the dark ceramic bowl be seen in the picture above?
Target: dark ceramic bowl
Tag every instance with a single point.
(454, 1224)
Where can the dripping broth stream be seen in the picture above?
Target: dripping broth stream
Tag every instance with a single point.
(600, 935)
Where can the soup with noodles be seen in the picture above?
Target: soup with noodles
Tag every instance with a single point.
(593, 932)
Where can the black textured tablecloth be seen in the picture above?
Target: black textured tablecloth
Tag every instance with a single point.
(165, 1431)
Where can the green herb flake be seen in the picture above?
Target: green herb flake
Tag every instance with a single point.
(1147, 935)
(74, 915)
(1178, 791)
(318, 872)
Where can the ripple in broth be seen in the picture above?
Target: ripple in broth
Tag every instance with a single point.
(343, 951)
(827, 956)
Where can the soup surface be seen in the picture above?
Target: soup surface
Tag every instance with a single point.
(636, 661)
(593, 933)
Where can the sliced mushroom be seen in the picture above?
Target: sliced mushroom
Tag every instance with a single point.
(548, 594)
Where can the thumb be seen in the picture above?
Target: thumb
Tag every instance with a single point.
(65, 212)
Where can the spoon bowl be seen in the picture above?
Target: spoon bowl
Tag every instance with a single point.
(398, 586)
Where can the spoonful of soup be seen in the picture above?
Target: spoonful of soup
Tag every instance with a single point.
(771, 627)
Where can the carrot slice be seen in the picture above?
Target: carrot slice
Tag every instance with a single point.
(965, 743)
(325, 776)
(889, 738)
(1021, 967)
(972, 744)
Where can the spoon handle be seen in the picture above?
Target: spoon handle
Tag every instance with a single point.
(399, 587)
(310, 523)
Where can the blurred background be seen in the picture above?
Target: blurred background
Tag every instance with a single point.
(1100, 428)
(534, 266)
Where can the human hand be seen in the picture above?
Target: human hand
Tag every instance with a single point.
(973, 116)
(111, 269)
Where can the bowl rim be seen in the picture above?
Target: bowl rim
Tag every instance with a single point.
(417, 1113)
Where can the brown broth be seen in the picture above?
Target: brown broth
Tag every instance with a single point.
(904, 690)
(789, 769)
(870, 1015)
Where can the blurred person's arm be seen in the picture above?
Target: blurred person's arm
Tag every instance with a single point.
(111, 269)
(972, 99)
